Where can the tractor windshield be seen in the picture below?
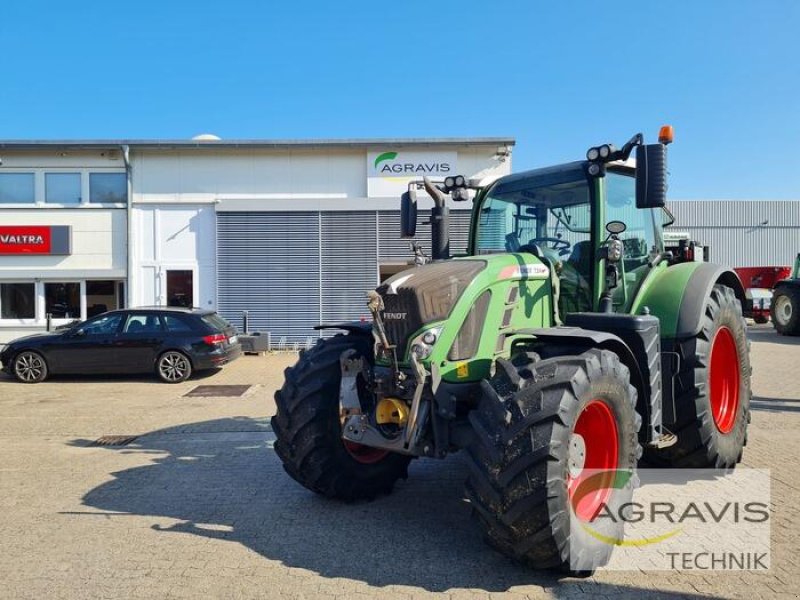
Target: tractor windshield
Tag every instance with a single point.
(547, 213)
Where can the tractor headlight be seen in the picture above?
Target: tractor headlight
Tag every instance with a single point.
(422, 345)
(593, 154)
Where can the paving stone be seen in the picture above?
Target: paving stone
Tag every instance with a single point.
(199, 505)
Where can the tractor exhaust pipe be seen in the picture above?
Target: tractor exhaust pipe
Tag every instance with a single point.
(440, 222)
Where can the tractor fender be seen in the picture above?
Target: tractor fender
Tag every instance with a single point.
(678, 296)
(589, 338)
(351, 327)
(787, 283)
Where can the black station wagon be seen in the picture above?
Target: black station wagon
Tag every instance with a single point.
(173, 342)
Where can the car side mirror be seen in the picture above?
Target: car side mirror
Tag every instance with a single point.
(408, 214)
(79, 333)
(651, 176)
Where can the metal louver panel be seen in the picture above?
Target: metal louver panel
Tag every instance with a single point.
(268, 264)
(349, 264)
(393, 248)
(742, 233)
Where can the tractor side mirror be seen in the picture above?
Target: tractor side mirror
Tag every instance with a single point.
(651, 176)
(408, 214)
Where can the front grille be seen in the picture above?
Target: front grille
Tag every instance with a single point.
(398, 330)
(423, 295)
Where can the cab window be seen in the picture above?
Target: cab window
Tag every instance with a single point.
(641, 239)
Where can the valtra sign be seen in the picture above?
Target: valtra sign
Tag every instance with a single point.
(35, 239)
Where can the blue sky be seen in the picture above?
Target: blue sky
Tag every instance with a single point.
(557, 76)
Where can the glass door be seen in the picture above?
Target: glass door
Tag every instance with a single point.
(180, 287)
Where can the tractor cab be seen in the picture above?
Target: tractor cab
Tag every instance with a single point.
(561, 215)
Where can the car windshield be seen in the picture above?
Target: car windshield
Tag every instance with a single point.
(553, 215)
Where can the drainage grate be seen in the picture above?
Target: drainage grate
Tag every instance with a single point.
(212, 391)
(114, 440)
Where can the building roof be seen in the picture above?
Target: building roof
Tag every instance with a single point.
(140, 144)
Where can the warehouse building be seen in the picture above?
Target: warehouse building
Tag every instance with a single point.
(742, 233)
(293, 232)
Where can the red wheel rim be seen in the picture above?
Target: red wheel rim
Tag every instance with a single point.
(723, 380)
(366, 455)
(598, 458)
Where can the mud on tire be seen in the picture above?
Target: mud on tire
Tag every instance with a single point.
(308, 429)
(708, 435)
(519, 467)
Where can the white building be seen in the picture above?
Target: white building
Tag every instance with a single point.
(292, 231)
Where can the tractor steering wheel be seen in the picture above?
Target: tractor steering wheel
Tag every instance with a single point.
(561, 246)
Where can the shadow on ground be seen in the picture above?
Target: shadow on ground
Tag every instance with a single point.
(774, 404)
(220, 479)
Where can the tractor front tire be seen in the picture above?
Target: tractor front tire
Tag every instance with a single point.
(712, 390)
(785, 310)
(541, 426)
(309, 433)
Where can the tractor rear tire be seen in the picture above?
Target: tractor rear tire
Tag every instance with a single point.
(309, 434)
(785, 310)
(712, 390)
(524, 466)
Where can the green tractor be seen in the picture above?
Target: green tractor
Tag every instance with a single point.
(566, 343)
(785, 305)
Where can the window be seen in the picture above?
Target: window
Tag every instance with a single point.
(102, 325)
(641, 240)
(176, 324)
(546, 215)
(17, 301)
(62, 300)
(215, 321)
(17, 188)
(142, 323)
(62, 188)
(108, 187)
(101, 296)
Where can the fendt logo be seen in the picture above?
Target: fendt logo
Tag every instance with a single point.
(393, 163)
(396, 316)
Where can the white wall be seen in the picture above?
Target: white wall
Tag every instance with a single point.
(203, 176)
(173, 237)
(290, 179)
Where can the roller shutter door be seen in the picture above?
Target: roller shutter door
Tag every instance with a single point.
(294, 270)
(393, 248)
(349, 264)
(268, 264)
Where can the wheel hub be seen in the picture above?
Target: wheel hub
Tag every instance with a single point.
(783, 310)
(723, 380)
(592, 459)
(577, 454)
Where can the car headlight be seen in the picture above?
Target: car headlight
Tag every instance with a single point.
(422, 345)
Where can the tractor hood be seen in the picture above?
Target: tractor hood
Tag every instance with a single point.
(424, 295)
(428, 294)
